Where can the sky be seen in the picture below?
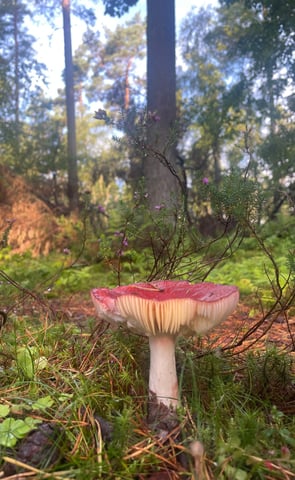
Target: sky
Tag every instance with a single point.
(50, 49)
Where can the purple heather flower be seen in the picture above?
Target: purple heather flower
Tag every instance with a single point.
(66, 251)
(153, 116)
(159, 207)
(125, 242)
(285, 451)
(101, 209)
(205, 181)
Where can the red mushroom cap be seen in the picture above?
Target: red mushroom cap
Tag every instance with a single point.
(166, 306)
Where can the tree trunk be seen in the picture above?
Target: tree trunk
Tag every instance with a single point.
(217, 163)
(70, 106)
(162, 176)
(16, 79)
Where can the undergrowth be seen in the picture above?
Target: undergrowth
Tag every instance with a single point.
(58, 273)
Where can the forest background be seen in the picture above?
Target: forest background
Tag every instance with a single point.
(235, 105)
(99, 184)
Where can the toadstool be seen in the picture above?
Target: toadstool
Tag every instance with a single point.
(162, 310)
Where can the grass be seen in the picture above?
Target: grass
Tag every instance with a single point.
(93, 388)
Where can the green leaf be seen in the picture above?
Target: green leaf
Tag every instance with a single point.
(12, 430)
(285, 434)
(20, 428)
(241, 474)
(25, 362)
(236, 473)
(40, 363)
(32, 422)
(64, 397)
(43, 403)
(4, 410)
(7, 438)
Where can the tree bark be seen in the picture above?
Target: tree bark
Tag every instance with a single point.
(70, 107)
(162, 176)
(16, 78)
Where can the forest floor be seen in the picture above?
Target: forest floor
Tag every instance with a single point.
(231, 336)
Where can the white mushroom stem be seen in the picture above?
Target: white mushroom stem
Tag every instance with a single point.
(163, 377)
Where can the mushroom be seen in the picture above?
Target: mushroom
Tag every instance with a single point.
(162, 310)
